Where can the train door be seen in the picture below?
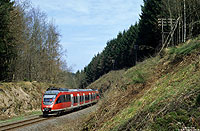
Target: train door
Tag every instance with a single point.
(83, 98)
(78, 97)
(89, 97)
(72, 100)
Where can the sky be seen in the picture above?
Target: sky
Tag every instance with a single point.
(86, 25)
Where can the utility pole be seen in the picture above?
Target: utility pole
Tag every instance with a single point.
(136, 48)
(184, 21)
(113, 63)
(162, 31)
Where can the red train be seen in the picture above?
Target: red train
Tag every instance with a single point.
(58, 100)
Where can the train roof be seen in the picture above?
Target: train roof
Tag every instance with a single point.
(58, 89)
(53, 90)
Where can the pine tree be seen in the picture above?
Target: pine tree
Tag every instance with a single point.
(118, 54)
(149, 34)
(7, 47)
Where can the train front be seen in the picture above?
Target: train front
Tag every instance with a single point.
(48, 101)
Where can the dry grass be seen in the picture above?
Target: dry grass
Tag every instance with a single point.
(20, 98)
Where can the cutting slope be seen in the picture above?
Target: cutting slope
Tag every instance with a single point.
(161, 93)
(20, 97)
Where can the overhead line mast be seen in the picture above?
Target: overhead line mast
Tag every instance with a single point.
(184, 21)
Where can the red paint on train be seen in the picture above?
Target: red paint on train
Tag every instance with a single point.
(57, 100)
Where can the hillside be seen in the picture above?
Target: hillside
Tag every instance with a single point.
(161, 93)
(20, 98)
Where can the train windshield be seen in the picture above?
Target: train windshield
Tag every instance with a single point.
(49, 99)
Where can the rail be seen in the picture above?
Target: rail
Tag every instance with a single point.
(22, 123)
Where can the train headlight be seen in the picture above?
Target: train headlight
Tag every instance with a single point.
(47, 109)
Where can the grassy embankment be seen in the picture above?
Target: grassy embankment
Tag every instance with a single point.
(161, 93)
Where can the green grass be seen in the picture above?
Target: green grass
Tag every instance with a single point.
(185, 115)
(18, 118)
(138, 77)
(21, 117)
(186, 48)
(141, 72)
(161, 94)
(169, 100)
(154, 100)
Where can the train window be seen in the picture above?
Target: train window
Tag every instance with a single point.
(58, 100)
(80, 98)
(49, 98)
(75, 99)
(67, 98)
(87, 97)
(62, 98)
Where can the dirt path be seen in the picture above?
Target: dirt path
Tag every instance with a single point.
(61, 121)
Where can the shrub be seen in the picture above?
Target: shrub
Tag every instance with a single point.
(138, 77)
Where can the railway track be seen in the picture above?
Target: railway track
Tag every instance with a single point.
(37, 119)
(22, 123)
